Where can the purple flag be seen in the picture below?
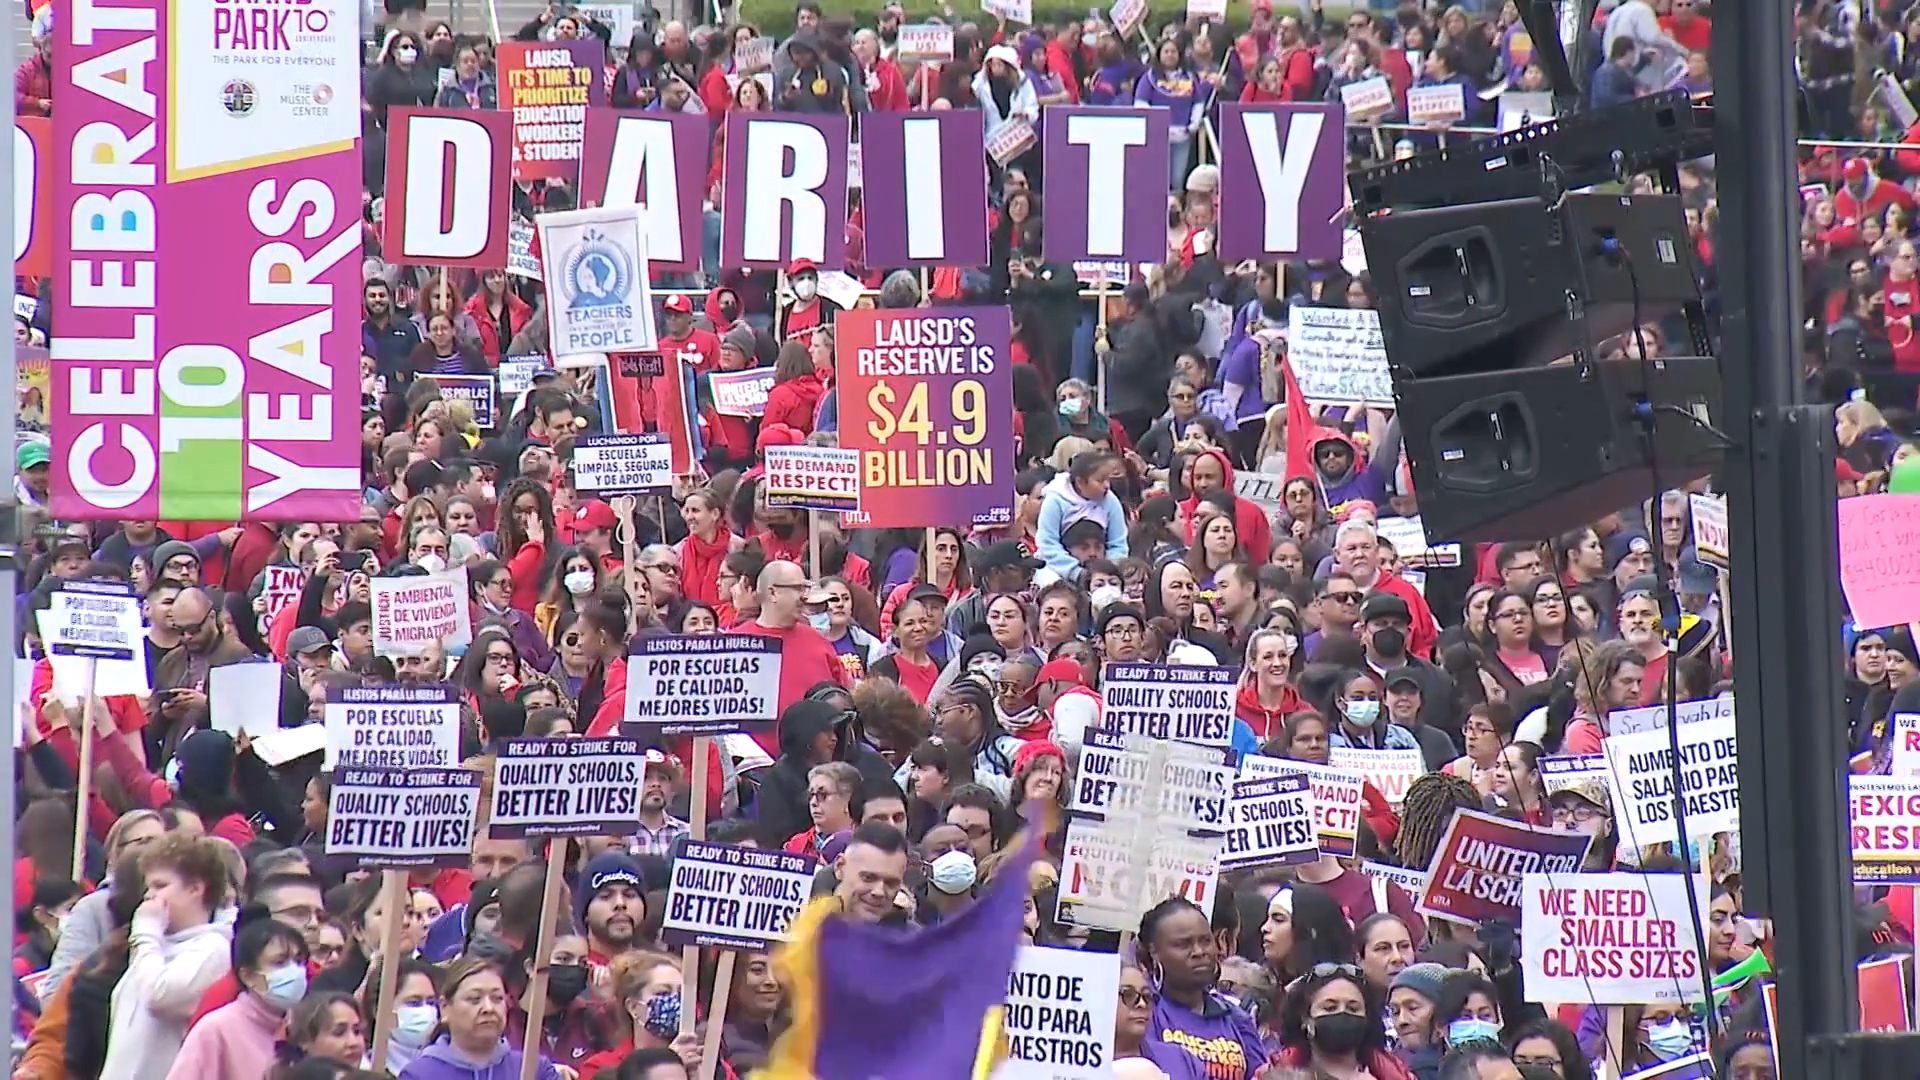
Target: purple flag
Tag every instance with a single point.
(1106, 174)
(785, 194)
(923, 188)
(655, 159)
(1282, 168)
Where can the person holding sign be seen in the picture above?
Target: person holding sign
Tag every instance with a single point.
(649, 990)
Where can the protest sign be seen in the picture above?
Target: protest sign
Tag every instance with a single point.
(1411, 881)
(1010, 140)
(812, 478)
(1262, 488)
(923, 396)
(1338, 356)
(1710, 542)
(1367, 99)
(1270, 823)
(1883, 995)
(1904, 759)
(547, 87)
(733, 897)
(1885, 826)
(1611, 939)
(920, 42)
(390, 726)
(1060, 1015)
(620, 464)
(921, 195)
(1126, 16)
(1166, 701)
(1117, 777)
(1391, 771)
(452, 167)
(1107, 881)
(475, 390)
(655, 160)
(1336, 797)
(1106, 169)
(595, 261)
(707, 684)
(280, 588)
(34, 176)
(1524, 108)
(1640, 777)
(393, 818)
(1408, 535)
(784, 189)
(740, 393)
(25, 307)
(1562, 771)
(245, 697)
(521, 261)
(412, 614)
(1282, 181)
(1206, 9)
(516, 373)
(94, 618)
(1654, 717)
(1880, 558)
(1437, 105)
(566, 786)
(1478, 866)
(753, 54)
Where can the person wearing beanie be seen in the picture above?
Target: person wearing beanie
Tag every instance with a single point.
(1410, 1001)
(177, 561)
(610, 905)
(729, 438)
(1039, 772)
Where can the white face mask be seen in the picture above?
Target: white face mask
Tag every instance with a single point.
(405, 54)
(413, 1023)
(578, 582)
(804, 288)
(1105, 595)
(1363, 713)
(431, 563)
(952, 873)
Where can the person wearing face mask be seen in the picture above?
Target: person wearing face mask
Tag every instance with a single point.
(416, 1012)
(1386, 623)
(648, 988)
(809, 309)
(1016, 701)
(950, 881)
(234, 1041)
(400, 79)
(1330, 1024)
(568, 1033)
(1357, 702)
(1467, 1010)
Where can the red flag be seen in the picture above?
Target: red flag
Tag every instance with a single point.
(1301, 427)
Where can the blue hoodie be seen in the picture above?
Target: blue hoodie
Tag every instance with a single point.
(442, 1062)
(1060, 506)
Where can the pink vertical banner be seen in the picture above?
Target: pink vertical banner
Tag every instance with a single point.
(207, 366)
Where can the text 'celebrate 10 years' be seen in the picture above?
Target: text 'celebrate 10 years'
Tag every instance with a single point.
(926, 399)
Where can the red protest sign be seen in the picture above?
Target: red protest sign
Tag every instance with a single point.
(1476, 871)
(1883, 995)
(33, 226)
(547, 86)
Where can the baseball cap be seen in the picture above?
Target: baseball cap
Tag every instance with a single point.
(1062, 669)
(679, 304)
(30, 453)
(1005, 553)
(1402, 676)
(306, 639)
(1384, 605)
(1591, 789)
(926, 592)
(593, 514)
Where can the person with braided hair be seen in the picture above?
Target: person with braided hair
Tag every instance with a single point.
(1429, 806)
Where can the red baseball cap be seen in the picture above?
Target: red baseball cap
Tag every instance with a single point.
(679, 303)
(593, 514)
(1855, 168)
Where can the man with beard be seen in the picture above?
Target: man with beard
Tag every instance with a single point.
(427, 666)
(784, 537)
(611, 904)
(1639, 618)
(659, 830)
(179, 702)
(393, 339)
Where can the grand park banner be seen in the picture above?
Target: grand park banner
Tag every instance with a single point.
(925, 396)
(236, 177)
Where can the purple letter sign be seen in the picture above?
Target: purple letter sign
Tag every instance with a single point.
(1106, 184)
(1281, 171)
(924, 189)
(655, 159)
(786, 191)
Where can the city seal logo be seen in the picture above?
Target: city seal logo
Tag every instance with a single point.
(239, 97)
(599, 274)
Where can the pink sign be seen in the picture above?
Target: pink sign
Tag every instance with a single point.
(1880, 558)
(207, 219)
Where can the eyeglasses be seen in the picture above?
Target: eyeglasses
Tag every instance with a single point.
(975, 832)
(1512, 613)
(299, 913)
(1124, 631)
(1180, 397)
(821, 794)
(1134, 998)
(1342, 597)
(1529, 1061)
(499, 658)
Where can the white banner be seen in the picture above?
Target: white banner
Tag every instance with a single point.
(812, 478)
(703, 684)
(520, 259)
(1445, 103)
(1641, 779)
(1392, 771)
(1367, 98)
(382, 818)
(623, 464)
(922, 42)
(1610, 939)
(1060, 1015)
(1710, 540)
(1270, 823)
(1104, 883)
(1336, 797)
(392, 726)
(733, 897)
(1338, 356)
(95, 618)
(566, 785)
(1562, 771)
(1168, 701)
(1654, 717)
(595, 265)
(1116, 779)
(414, 612)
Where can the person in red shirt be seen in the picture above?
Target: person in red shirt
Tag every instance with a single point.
(1901, 290)
(1687, 26)
(698, 349)
(809, 308)
(1357, 552)
(886, 87)
(729, 439)
(1864, 195)
(806, 658)
(797, 388)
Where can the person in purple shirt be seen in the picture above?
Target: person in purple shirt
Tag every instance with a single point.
(1113, 83)
(1170, 84)
(1195, 1032)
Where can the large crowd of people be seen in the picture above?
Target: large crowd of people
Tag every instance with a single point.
(935, 681)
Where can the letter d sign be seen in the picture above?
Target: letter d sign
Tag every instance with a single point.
(448, 176)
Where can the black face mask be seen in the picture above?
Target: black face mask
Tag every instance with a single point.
(1337, 1033)
(1391, 641)
(728, 311)
(565, 982)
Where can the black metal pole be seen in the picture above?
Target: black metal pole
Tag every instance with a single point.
(1780, 488)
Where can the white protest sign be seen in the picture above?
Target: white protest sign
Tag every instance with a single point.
(812, 478)
(922, 42)
(1429, 106)
(74, 677)
(391, 818)
(753, 54)
(280, 588)
(1020, 11)
(1654, 717)
(521, 262)
(1613, 939)
(1270, 823)
(1165, 701)
(1367, 98)
(1263, 488)
(1010, 140)
(566, 786)
(94, 618)
(1107, 883)
(1338, 356)
(1115, 779)
(1408, 535)
(393, 727)
(733, 897)
(704, 684)
(1336, 797)
(516, 374)
(1884, 823)
(740, 393)
(1391, 771)
(617, 18)
(1524, 108)
(1413, 881)
(1710, 540)
(25, 307)
(1905, 758)
(1562, 771)
(1126, 16)
(1641, 780)
(839, 288)
(412, 613)
(621, 464)
(1061, 1006)
(1206, 9)
(596, 260)
(245, 697)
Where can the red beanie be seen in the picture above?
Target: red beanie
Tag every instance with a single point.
(1033, 749)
